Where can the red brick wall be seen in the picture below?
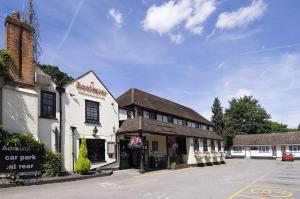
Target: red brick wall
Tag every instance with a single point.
(19, 42)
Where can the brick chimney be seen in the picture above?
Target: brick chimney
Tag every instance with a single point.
(19, 38)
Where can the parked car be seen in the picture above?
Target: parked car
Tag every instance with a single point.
(288, 157)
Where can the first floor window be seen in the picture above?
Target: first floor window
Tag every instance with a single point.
(263, 149)
(294, 148)
(91, 112)
(96, 149)
(237, 149)
(152, 116)
(48, 104)
(159, 117)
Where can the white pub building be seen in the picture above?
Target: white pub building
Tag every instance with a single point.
(30, 102)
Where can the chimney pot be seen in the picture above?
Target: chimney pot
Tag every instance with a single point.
(15, 14)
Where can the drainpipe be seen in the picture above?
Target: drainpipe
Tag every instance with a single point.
(73, 128)
(60, 91)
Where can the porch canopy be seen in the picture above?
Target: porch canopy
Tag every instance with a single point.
(161, 128)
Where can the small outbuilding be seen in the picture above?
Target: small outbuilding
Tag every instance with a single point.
(271, 145)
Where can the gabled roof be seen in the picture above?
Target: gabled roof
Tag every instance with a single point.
(162, 128)
(146, 100)
(267, 139)
(91, 71)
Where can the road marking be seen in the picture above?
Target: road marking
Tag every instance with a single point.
(109, 184)
(249, 185)
(162, 173)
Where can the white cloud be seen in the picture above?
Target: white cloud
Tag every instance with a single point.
(117, 17)
(193, 13)
(202, 10)
(221, 65)
(164, 18)
(242, 16)
(176, 38)
(243, 92)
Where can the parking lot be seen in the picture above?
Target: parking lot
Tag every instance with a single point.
(238, 179)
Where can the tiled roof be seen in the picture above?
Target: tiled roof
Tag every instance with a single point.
(162, 128)
(146, 100)
(267, 139)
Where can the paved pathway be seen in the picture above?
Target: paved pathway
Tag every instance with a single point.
(239, 179)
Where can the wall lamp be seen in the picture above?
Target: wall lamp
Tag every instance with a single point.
(95, 131)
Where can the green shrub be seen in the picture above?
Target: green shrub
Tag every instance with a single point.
(83, 164)
(52, 164)
(4, 60)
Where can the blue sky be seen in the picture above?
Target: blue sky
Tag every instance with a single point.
(189, 51)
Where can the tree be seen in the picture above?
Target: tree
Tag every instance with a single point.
(278, 127)
(60, 78)
(217, 117)
(83, 164)
(246, 115)
(4, 60)
(298, 127)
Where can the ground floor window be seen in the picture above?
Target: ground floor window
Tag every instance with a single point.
(181, 145)
(237, 149)
(96, 149)
(196, 144)
(205, 144)
(219, 145)
(212, 144)
(263, 149)
(294, 148)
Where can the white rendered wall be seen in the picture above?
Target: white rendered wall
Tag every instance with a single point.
(20, 110)
(74, 115)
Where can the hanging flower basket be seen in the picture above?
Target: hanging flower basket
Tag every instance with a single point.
(135, 143)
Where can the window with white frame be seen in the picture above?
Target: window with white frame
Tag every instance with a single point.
(165, 118)
(263, 149)
(159, 117)
(146, 114)
(294, 148)
(237, 149)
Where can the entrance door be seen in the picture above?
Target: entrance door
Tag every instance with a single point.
(130, 158)
(124, 154)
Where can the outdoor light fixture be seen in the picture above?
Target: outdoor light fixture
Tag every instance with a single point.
(95, 131)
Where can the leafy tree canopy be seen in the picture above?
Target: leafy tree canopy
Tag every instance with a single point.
(299, 127)
(60, 78)
(246, 115)
(278, 127)
(4, 60)
(218, 116)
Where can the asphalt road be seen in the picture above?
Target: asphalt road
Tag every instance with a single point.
(238, 179)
